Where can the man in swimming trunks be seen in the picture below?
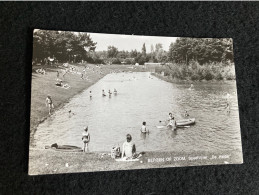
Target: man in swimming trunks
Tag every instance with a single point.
(144, 128)
(49, 103)
(86, 138)
(103, 93)
(128, 148)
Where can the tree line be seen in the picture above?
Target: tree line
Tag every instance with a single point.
(67, 46)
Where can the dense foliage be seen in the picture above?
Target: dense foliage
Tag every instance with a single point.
(203, 51)
(61, 45)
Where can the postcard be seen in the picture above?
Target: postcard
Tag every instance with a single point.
(106, 102)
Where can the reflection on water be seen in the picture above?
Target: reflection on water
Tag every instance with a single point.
(142, 97)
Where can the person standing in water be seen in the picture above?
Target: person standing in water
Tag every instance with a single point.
(172, 123)
(86, 139)
(103, 93)
(110, 93)
(115, 91)
(128, 148)
(144, 128)
(90, 94)
(49, 103)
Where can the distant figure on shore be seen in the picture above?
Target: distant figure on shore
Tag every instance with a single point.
(144, 128)
(90, 94)
(186, 114)
(115, 91)
(49, 104)
(57, 74)
(191, 88)
(228, 107)
(128, 148)
(103, 93)
(86, 139)
(59, 83)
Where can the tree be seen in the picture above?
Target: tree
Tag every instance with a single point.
(112, 52)
(62, 45)
(144, 50)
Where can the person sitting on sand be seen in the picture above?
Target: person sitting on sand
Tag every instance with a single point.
(191, 88)
(128, 148)
(49, 103)
(86, 138)
(59, 83)
(144, 128)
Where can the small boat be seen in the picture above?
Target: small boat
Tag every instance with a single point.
(185, 122)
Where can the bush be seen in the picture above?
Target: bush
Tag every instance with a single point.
(116, 61)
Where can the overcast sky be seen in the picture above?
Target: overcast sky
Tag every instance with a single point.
(129, 42)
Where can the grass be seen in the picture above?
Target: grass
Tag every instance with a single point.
(53, 162)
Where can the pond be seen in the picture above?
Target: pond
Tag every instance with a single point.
(143, 97)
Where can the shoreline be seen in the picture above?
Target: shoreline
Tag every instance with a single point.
(169, 80)
(56, 162)
(39, 115)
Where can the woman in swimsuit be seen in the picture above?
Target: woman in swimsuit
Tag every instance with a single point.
(86, 138)
(49, 103)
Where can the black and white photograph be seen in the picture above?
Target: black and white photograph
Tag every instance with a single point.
(103, 102)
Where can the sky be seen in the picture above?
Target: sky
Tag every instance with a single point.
(129, 42)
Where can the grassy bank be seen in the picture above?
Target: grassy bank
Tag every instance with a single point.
(196, 72)
(53, 162)
(44, 84)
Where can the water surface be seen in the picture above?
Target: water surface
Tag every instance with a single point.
(143, 97)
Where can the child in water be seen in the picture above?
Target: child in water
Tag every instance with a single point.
(86, 138)
(144, 128)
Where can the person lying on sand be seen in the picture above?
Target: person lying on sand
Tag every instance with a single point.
(128, 148)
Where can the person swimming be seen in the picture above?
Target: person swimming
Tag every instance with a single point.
(186, 114)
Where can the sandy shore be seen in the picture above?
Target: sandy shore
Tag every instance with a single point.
(52, 162)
